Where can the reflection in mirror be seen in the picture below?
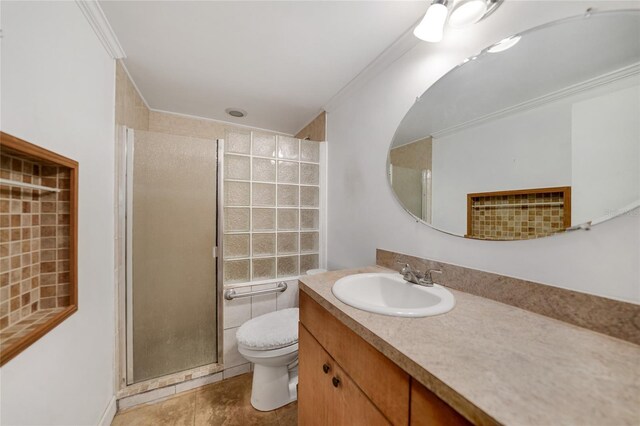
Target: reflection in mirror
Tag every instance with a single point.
(530, 140)
(410, 175)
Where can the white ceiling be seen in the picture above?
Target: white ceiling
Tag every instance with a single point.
(279, 61)
(545, 60)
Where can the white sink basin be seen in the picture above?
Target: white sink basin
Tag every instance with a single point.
(390, 294)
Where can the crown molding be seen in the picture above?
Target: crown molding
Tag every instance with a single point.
(98, 21)
(601, 80)
(395, 51)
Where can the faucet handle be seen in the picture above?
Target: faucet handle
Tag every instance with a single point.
(427, 275)
(405, 268)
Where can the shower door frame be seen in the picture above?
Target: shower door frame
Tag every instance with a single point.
(125, 149)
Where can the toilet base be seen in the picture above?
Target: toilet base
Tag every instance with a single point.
(273, 387)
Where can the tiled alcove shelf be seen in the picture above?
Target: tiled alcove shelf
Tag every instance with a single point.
(38, 243)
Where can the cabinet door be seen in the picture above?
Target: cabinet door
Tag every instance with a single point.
(326, 395)
(429, 410)
(314, 385)
(383, 382)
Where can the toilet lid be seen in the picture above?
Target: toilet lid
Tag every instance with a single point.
(270, 331)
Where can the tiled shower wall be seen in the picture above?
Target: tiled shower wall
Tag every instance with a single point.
(271, 207)
(34, 243)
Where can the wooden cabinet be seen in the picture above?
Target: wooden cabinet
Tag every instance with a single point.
(343, 380)
(334, 399)
(427, 409)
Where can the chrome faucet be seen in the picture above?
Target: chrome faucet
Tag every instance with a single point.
(416, 277)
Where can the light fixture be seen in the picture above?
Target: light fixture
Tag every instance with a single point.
(236, 112)
(467, 12)
(463, 13)
(504, 44)
(431, 28)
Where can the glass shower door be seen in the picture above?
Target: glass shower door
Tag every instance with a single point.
(171, 271)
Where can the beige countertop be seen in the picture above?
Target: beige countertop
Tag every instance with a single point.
(495, 363)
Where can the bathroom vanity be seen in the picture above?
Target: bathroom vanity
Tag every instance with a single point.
(346, 381)
(484, 362)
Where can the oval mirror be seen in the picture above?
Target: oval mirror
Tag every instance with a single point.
(537, 134)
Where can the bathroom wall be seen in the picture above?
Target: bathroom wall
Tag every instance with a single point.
(531, 149)
(61, 96)
(131, 110)
(316, 130)
(196, 127)
(363, 214)
(608, 172)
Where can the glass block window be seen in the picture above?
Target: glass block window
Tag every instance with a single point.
(271, 207)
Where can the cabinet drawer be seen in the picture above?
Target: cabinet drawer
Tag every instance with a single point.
(388, 388)
(326, 394)
(428, 409)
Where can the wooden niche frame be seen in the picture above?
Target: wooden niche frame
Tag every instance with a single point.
(16, 147)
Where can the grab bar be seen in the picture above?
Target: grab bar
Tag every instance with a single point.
(232, 294)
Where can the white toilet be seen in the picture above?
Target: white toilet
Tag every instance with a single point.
(270, 341)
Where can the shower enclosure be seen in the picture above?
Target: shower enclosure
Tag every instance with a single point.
(413, 188)
(172, 291)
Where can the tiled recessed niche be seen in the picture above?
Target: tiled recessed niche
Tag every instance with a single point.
(38, 243)
(267, 179)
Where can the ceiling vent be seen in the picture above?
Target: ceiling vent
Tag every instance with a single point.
(236, 112)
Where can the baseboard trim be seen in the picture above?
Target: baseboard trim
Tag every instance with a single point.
(109, 413)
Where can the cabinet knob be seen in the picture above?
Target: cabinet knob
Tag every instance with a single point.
(336, 382)
(326, 368)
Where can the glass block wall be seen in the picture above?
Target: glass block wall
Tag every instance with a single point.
(271, 207)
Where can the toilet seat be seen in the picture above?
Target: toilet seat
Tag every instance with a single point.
(270, 342)
(270, 332)
(267, 353)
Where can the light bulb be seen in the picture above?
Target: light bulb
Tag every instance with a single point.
(467, 12)
(431, 28)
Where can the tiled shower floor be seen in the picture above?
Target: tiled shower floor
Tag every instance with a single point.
(222, 403)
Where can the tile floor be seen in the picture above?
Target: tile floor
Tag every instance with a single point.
(223, 403)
